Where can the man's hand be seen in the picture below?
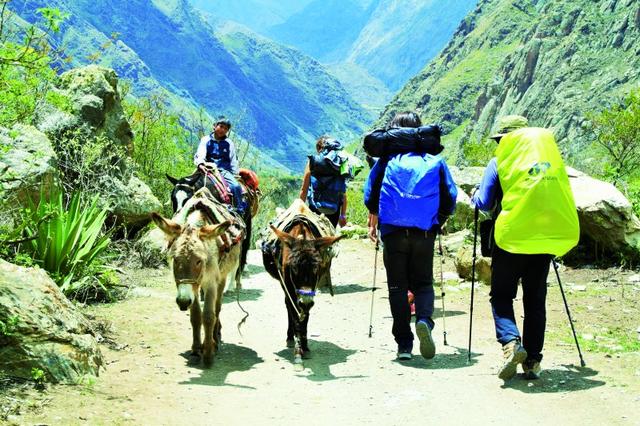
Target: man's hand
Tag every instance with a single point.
(342, 220)
(373, 227)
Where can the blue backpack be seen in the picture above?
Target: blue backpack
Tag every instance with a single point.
(410, 193)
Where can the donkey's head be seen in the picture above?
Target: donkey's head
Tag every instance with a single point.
(192, 253)
(183, 189)
(302, 262)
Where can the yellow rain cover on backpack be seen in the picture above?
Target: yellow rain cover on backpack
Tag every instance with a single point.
(538, 211)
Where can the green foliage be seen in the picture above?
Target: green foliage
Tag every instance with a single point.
(86, 161)
(162, 144)
(25, 57)
(617, 132)
(277, 191)
(478, 153)
(38, 375)
(9, 327)
(356, 210)
(67, 238)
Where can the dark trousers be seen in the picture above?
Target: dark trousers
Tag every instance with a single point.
(408, 260)
(333, 217)
(506, 270)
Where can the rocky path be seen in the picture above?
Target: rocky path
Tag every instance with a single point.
(350, 379)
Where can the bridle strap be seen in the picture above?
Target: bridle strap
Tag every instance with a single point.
(286, 291)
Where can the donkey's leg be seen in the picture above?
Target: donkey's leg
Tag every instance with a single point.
(304, 345)
(290, 322)
(208, 320)
(196, 324)
(217, 327)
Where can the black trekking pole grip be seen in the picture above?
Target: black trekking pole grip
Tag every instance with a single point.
(566, 307)
(473, 276)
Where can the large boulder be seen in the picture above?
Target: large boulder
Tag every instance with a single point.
(131, 202)
(467, 177)
(606, 216)
(462, 218)
(42, 329)
(27, 162)
(464, 264)
(95, 106)
(93, 111)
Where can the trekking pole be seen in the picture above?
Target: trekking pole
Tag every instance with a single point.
(442, 293)
(373, 286)
(566, 307)
(473, 275)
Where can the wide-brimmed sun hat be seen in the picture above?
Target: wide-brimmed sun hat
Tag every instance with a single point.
(508, 124)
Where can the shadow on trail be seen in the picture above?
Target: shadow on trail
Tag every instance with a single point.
(250, 269)
(230, 358)
(350, 288)
(246, 295)
(323, 355)
(569, 379)
(442, 361)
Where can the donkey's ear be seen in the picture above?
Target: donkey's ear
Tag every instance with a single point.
(169, 227)
(173, 180)
(210, 232)
(324, 242)
(284, 237)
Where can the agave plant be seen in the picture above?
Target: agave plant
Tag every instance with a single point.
(70, 239)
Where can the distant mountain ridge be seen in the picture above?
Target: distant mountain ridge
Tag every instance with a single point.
(167, 43)
(390, 40)
(553, 61)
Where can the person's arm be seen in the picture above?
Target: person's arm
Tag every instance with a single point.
(342, 221)
(485, 197)
(448, 194)
(306, 181)
(373, 186)
(201, 153)
(233, 156)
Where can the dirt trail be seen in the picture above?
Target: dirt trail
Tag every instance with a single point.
(350, 379)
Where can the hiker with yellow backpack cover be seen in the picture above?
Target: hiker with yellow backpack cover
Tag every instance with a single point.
(527, 188)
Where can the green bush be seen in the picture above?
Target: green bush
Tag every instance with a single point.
(66, 238)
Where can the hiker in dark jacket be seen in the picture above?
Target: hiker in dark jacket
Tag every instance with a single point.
(323, 186)
(408, 223)
(219, 149)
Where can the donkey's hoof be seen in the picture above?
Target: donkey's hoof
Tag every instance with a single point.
(207, 360)
(306, 354)
(291, 343)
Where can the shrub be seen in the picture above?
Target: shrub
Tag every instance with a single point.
(66, 239)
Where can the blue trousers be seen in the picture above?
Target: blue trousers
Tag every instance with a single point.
(236, 190)
(408, 260)
(506, 270)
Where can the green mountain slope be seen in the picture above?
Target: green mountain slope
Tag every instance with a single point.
(552, 61)
(166, 42)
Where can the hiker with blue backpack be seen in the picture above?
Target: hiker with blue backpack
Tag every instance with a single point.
(409, 194)
(526, 187)
(324, 185)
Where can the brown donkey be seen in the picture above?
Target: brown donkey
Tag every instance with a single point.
(199, 263)
(300, 267)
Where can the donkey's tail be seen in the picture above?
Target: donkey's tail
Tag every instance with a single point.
(246, 314)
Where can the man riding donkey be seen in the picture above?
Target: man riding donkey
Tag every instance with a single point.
(218, 171)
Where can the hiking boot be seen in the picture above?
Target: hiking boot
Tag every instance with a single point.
(531, 369)
(427, 346)
(514, 354)
(404, 354)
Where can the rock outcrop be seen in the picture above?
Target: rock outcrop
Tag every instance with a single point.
(95, 111)
(27, 162)
(42, 329)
